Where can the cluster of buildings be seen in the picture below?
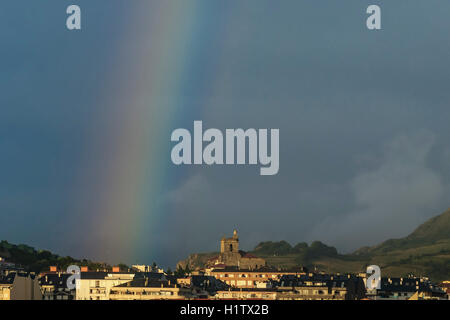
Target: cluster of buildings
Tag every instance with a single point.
(233, 274)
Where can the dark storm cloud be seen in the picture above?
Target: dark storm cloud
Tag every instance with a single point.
(362, 127)
(363, 119)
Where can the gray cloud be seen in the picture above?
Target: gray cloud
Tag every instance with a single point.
(336, 91)
(391, 199)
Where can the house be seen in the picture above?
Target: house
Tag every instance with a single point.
(320, 287)
(248, 294)
(203, 287)
(409, 288)
(151, 288)
(97, 285)
(445, 285)
(19, 286)
(249, 278)
(54, 286)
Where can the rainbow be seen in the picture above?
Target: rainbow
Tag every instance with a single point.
(146, 96)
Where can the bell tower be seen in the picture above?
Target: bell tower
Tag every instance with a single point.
(230, 245)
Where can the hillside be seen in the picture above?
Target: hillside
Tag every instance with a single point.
(40, 260)
(436, 228)
(434, 231)
(425, 252)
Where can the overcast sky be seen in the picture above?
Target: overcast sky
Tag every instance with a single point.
(363, 118)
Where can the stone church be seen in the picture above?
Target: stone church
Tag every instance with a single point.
(231, 256)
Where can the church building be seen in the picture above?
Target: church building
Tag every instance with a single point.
(231, 256)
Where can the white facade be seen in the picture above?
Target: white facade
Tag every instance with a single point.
(98, 288)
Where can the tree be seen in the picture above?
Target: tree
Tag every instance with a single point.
(123, 266)
(187, 270)
(180, 272)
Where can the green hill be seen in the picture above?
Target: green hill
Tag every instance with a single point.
(435, 231)
(425, 252)
(40, 260)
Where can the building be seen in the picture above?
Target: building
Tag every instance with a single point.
(97, 285)
(249, 278)
(302, 287)
(5, 265)
(54, 286)
(141, 268)
(321, 287)
(150, 288)
(19, 286)
(410, 288)
(445, 285)
(230, 255)
(248, 294)
(146, 268)
(157, 286)
(203, 287)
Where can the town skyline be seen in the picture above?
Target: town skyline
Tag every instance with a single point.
(422, 253)
(231, 275)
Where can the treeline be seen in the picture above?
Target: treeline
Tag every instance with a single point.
(40, 260)
(302, 250)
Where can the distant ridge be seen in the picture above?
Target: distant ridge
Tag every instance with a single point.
(433, 231)
(40, 260)
(425, 252)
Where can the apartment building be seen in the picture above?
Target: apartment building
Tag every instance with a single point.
(320, 287)
(409, 288)
(97, 285)
(249, 278)
(54, 286)
(248, 294)
(147, 288)
(19, 286)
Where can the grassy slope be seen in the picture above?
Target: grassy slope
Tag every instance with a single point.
(425, 252)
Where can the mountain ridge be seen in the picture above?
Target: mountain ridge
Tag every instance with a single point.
(424, 252)
(430, 232)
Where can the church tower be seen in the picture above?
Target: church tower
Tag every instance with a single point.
(230, 245)
(230, 255)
